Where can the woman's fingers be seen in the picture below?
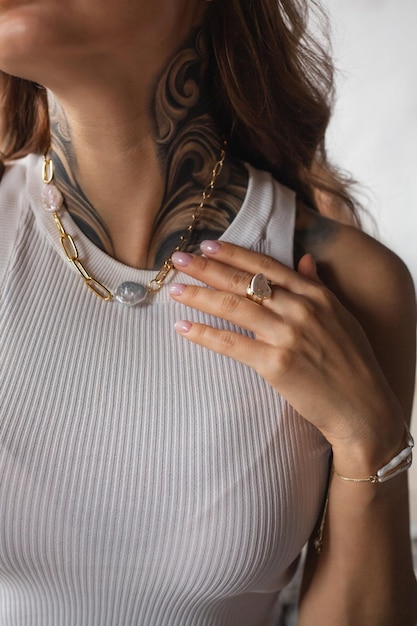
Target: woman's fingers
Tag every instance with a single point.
(298, 299)
(282, 312)
(226, 342)
(294, 294)
(261, 321)
(251, 263)
(229, 267)
(278, 347)
(212, 272)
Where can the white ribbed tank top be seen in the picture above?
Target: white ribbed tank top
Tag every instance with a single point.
(143, 480)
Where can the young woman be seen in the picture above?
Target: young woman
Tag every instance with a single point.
(188, 345)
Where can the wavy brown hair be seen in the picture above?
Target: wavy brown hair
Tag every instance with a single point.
(272, 88)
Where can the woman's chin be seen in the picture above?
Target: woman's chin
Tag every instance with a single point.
(24, 41)
(17, 40)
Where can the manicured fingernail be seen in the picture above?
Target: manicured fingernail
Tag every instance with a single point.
(210, 247)
(182, 326)
(176, 289)
(182, 258)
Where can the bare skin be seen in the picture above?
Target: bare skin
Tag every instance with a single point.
(186, 145)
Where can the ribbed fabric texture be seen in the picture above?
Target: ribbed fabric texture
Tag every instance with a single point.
(143, 480)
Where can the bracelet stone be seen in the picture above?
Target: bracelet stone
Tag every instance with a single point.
(400, 463)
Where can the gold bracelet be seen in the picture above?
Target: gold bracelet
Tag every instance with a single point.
(400, 463)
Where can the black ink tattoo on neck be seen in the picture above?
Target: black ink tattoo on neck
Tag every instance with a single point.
(66, 170)
(188, 144)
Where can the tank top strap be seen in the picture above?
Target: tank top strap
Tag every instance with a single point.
(266, 219)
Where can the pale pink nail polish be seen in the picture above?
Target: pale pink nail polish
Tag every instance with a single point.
(176, 289)
(182, 258)
(182, 326)
(210, 247)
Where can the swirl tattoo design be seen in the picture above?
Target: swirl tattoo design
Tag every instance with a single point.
(188, 144)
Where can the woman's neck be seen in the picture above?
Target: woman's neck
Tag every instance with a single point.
(132, 162)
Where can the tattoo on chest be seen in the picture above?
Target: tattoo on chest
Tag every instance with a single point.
(188, 145)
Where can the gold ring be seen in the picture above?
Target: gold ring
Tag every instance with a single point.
(259, 289)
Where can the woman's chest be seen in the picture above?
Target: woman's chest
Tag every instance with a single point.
(125, 448)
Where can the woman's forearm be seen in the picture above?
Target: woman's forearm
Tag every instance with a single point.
(364, 574)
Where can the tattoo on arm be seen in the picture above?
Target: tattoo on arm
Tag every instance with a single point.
(313, 232)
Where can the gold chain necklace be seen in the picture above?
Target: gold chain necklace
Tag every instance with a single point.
(128, 293)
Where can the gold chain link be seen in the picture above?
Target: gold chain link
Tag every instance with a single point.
(71, 252)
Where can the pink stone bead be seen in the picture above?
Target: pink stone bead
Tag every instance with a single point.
(52, 198)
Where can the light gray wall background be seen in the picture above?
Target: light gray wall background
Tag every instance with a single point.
(374, 130)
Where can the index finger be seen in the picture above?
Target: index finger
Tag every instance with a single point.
(254, 263)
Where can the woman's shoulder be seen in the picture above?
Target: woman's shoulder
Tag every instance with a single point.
(352, 261)
(374, 284)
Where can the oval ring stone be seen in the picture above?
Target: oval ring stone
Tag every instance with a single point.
(130, 294)
(260, 287)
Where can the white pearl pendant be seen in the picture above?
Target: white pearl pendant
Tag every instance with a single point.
(129, 293)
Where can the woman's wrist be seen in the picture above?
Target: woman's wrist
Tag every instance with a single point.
(376, 461)
(399, 463)
(371, 452)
